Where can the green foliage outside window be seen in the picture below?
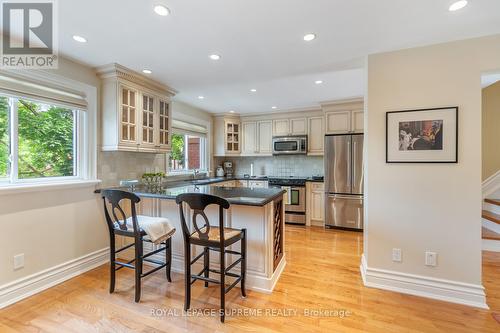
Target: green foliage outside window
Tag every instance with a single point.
(45, 140)
(177, 155)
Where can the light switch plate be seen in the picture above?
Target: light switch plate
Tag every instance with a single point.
(396, 255)
(430, 258)
(18, 261)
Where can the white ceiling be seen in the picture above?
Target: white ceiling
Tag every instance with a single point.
(489, 79)
(261, 43)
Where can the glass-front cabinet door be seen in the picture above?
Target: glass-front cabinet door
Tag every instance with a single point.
(164, 125)
(232, 137)
(128, 117)
(148, 121)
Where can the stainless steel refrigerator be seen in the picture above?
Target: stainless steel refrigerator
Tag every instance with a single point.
(344, 181)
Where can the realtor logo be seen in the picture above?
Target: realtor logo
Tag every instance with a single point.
(29, 37)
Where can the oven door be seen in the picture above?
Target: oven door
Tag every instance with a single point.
(296, 199)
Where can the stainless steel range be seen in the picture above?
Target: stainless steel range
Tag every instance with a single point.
(295, 198)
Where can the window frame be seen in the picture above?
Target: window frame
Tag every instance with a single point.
(203, 154)
(79, 147)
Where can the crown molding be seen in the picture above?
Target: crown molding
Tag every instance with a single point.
(117, 71)
(359, 99)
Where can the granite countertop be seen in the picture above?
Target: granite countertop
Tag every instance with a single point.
(235, 195)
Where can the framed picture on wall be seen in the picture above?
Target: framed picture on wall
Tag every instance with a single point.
(422, 136)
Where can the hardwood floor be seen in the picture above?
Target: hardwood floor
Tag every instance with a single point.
(322, 273)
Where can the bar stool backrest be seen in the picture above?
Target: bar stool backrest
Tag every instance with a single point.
(116, 198)
(198, 202)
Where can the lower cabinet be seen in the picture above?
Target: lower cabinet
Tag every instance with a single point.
(315, 204)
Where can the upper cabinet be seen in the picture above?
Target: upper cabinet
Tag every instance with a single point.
(136, 111)
(294, 126)
(227, 136)
(249, 138)
(316, 139)
(256, 138)
(265, 137)
(344, 117)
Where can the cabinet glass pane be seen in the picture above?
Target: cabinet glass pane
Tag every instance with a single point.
(132, 98)
(150, 138)
(235, 128)
(144, 134)
(229, 137)
(235, 146)
(144, 102)
(125, 96)
(124, 132)
(144, 119)
(235, 138)
(150, 119)
(229, 128)
(229, 146)
(132, 133)
(125, 114)
(132, 116)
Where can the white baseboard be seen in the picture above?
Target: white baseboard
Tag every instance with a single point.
(491, 184)
(491, 245)
(27, 286)
(444, 290)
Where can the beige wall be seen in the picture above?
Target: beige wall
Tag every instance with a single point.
(427, 207)
(491, 130)
(53, 226)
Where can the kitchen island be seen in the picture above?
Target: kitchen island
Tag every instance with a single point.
(259, 210)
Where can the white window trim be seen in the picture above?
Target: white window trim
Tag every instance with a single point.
(87, 131)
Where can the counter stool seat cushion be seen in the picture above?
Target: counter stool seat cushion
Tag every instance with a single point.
(157, 229)
(214, 234)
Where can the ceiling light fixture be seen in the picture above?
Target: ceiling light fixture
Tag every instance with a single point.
(274, 107)
(201, 97)
(161, 10)
(80, 39)
(215, 57)
(147, 71)
(309, 37)
(231, 111)
(253, 90)
(458, 5)
(318, 82)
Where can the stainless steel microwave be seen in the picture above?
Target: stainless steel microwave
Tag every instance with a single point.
(290, 145)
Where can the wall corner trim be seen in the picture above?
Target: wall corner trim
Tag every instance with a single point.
(27, 286)
(423, 286)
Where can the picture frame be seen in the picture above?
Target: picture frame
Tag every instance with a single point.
(422, 135)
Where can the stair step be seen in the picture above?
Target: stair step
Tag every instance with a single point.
(490, 234)
(491, 216)
(493, 201)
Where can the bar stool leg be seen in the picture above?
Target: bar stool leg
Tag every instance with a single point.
(243, 262)
(187, 275)
(206, 263)
(222, 283)
(168, 258)
(112, 259)
(138, 268)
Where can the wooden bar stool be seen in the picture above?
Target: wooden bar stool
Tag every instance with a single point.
(215, 238)
(131, 227)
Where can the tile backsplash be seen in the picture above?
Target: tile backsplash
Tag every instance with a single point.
(277, 166)
(115, 166)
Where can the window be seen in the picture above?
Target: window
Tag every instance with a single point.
(37, 141)
(188, 153)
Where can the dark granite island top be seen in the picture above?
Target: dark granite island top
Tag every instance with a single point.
(235, 195)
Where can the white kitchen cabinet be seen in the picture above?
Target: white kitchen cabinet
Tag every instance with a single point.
(298, 126)
(249, 138)
(315, 204)
(265, 137)
(136, 112)
(229, 183)
(316, 139)
(281, 127)
(357, 121)
(258, 184)
(338, 122)
(241, 183)
(227, 136)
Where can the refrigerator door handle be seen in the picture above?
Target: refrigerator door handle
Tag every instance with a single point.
(342, 196)
(352, 164)
(349, 163)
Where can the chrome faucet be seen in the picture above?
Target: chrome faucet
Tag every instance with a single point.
(195, 173)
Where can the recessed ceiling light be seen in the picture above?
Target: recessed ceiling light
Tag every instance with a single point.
(318, 82)
(231, 111)
(201, 97)
(80, 39)
(161, 10)
(147, 71)
(458, 5)
(215, 57)
(274, 107)
(253, 90)
(309, 37)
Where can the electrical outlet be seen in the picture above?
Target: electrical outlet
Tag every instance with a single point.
(396, 255)
(430, 258)
(18, 261)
